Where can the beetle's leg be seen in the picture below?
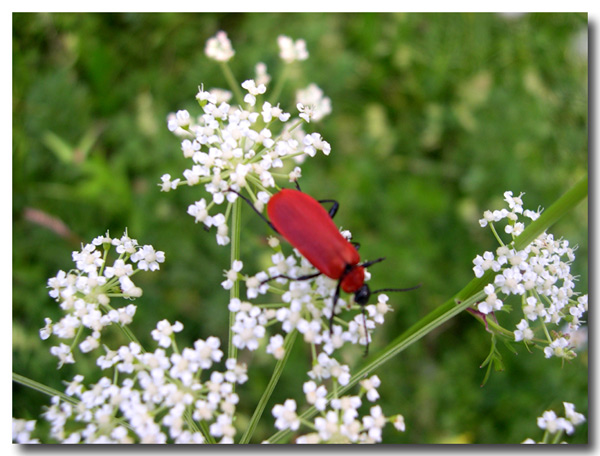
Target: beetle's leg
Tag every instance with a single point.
(254, 209)
(364, 314)
(333, 209)
(356, 245)
(336, 296)
(282, 276)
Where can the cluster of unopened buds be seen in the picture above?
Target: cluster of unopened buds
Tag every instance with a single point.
(540, 275)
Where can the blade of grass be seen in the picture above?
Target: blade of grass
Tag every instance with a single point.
(288, 344)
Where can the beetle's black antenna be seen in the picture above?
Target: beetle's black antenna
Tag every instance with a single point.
(366, 264)
(383, 290)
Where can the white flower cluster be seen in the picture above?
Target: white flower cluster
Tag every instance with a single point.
(21, 431)
(85, 292)
(305, 306)
(553, 424)
(159, 397)
(339, 419)
(540, 274)
(244, 146)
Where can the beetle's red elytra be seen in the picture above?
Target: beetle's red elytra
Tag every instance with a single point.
(305, 224)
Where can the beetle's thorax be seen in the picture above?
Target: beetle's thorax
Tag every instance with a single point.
(353, 279)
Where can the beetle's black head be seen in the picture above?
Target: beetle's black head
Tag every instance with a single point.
(362, 295)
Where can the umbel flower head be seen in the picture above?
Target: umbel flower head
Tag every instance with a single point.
(539, 274)
(85, 292)
(247, 144)
(160, 396)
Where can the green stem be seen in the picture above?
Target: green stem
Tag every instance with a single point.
(129, 334)
(280, 83)
(557, 437)
(235, 87)
(234, 292)
(288, 344)
(29, 383)
(468, 296)
(551, 215)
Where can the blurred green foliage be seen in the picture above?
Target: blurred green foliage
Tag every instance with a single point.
(434, 117)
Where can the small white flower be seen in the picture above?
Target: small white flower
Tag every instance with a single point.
(510, 281)
(275, 346)
(232, 275)
(262, 77)
(147, 258)
(306, 112)
(89, 259)
(370, 385)
(290, 50)
(374, 423)
(179, 120)
(208, 352)
(253, 91)
(247, 331)
(485, 262)
(199, 212)
(558, 347)
(46, 331)
(285, 415)
(399, 423)
(118, 269)
(313, 95)
(219, 47)
(315, 395)
(164, 331)
(549, 421)
(90, 343)
(523, 331)
(168, 184)
(573, 416)
(63, 353)
(327, 426)
(21, 431)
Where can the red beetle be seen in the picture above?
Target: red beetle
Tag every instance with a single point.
(309, 228)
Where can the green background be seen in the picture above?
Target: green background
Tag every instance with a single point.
(434, 117)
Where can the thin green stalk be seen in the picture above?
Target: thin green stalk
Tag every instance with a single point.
(29, 383)
(262, 403)
(234, 292)
(551, 215)
(129, 334)
(280, 83)
(40, 387)
(235, 87)
(469, 295)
